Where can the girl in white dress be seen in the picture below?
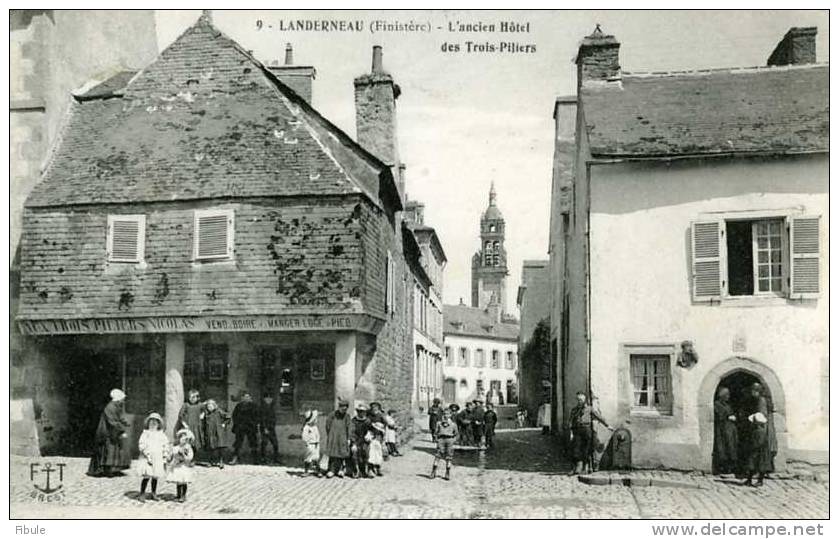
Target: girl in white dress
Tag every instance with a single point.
(311, 436)
(154, 454)
(375, 455)
(180, 469)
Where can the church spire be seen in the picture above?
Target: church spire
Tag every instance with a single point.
(492, 193)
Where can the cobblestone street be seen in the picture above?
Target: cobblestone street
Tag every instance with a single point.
(522, 478)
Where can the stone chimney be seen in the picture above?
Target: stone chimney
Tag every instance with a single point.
(298, 78)
(598, 59)
(797, 47)
(414, 212)
(375, 117)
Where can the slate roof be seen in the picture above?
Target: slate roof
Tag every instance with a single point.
(475, 322)
(754, 110)
(111, 87)
(204, 120)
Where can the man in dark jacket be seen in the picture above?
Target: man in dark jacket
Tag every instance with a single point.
(490, 420)
(245, 423)
(267, 427)
(582, 430)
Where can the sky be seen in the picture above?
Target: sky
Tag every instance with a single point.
(468, 119)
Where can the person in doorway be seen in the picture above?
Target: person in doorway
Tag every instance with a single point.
(155, 452)
(724, 456)
(360, 444)
(311, 437)
(478, 425)
(760, 454)
(447, 433)
(245, 426)
(268, 427)
(435, 412)
(338, 427)
(543, 418)
(490, 420)
(109, 457)
(214, 432)
(581, 424)
(180, 469)
(190, 417)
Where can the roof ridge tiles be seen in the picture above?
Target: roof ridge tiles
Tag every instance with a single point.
(713, 70)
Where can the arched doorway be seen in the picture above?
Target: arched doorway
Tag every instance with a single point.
(739, 383)
(737, 373)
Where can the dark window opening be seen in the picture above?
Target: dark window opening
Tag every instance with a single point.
(740, 258)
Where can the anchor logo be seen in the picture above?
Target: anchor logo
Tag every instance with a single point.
(47, 469)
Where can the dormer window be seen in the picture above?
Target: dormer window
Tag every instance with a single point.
(126, 238)
(213, 235)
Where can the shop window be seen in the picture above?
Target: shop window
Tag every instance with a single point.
(143, 379)
(126, 238)
(213, 234)
(651, 382)
(206, 369)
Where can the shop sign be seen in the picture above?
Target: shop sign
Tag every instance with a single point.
(200, 324)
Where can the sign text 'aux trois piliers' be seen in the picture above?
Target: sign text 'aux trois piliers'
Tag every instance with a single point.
(200, 324)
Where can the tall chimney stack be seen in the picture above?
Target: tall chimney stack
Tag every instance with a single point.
(797, 47)
(598, 59)
(298, 78)
(375, 116)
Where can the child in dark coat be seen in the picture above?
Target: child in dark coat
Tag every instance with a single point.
(214, 431)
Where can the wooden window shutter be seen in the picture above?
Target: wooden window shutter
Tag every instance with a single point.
(707, 260)
(126, 238)
(805, 258)
(214, 234)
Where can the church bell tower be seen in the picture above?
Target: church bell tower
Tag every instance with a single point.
(489, 265)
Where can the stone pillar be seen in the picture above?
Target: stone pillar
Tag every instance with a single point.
(175, 351)
(345, 365)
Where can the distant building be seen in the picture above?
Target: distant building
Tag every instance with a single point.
(534, 372)
(489, 264)
(480, 353)
(428, 309)
(689, 248)
(201, 225)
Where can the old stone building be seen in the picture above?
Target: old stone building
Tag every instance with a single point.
(689, 247)
(50, 55)
(428, 309)
(200, 224)
(534, 371)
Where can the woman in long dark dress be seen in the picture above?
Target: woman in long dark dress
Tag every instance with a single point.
(724, 459)
(338, 439)
(190, 417)
(108, 456)
(760, 456)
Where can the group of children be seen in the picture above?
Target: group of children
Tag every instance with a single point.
(161, 460)
(475, 423)
(356, 446)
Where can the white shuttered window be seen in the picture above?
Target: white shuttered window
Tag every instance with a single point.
(769, 256)
(804, 239)
(213, 234)
(126, 238)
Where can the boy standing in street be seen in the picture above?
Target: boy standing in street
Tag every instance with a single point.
(446, 434)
